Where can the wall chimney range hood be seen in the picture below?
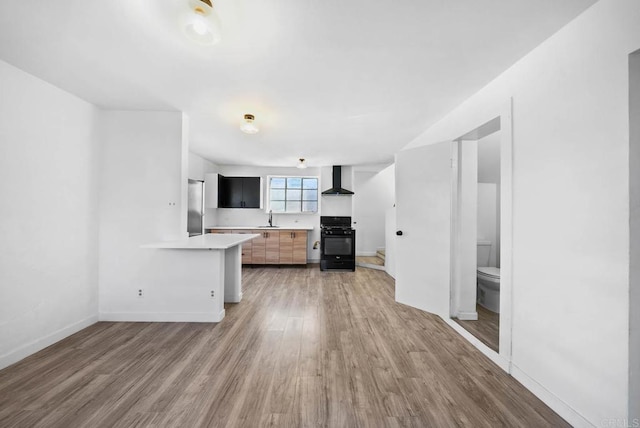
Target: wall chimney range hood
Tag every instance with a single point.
(337, 184)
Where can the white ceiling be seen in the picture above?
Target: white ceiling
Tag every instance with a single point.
(336, 82)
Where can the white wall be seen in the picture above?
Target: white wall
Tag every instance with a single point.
(374, 195)
(487, 214)
(634, 216)
(489, 172)
(570, 327)
(199, 166)
(259, 217)
(142, 200)
(336, 205)
(48, 217)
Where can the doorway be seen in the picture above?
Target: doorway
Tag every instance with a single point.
(475, 302)
(480, 300)
(374, 188)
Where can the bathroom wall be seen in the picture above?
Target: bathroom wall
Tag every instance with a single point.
(487, 215)
(570, 230)
(489, 172)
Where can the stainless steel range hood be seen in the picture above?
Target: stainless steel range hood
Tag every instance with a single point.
(337, 184)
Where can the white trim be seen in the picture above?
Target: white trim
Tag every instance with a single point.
(467, 316)
(366, 253)
(48, 340)
(548, 398)
(506, 229)
(162, 316)
(505, 127)
(488, 352)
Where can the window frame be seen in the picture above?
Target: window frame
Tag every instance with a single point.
(268, 199)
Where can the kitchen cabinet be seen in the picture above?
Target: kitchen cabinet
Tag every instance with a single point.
(293, 247)
(280, 246)
(264, 249)
(239, 192)
(272, 248)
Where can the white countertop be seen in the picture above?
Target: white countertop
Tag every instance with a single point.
(209, 241)
(260, 228)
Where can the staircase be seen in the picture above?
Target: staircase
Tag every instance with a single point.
(372, 262)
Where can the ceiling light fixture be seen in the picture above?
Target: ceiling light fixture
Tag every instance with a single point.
(201, 23)
(248, 127)
(301, 164)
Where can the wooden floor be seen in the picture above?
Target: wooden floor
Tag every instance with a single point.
(303, 348)
(372, 260)
(486, 328)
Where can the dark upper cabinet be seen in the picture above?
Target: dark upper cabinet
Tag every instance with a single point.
(239, 192)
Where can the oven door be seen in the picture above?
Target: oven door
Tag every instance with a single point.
(340, 247)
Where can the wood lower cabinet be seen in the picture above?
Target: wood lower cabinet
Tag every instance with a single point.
(300, 247)
(293, 247)
(282, 246)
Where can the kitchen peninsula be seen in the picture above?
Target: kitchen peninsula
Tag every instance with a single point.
(190, 279)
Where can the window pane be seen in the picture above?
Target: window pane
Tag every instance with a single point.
(310, 195)
(294, 195)
(286, 194)
(278, 182)
(277, 206)
(277, 195)
(310, 206)
(293, 206)
(294, 183)
(309, 183)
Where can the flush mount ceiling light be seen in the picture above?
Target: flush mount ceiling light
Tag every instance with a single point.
(201, 24)
(248, 127)
(301, 164)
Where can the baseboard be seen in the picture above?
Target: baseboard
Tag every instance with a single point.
(48, 340)
(468, 316)
(548, 398)
(162, 316)
(233, 299)
(365, 254)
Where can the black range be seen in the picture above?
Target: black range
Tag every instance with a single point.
(337, 244)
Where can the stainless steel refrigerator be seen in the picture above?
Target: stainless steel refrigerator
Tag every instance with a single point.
(196, 207)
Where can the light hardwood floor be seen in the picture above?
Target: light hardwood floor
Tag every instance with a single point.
(486, 328)
(303, 348)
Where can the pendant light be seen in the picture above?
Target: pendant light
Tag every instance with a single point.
(248, 127)
(201, 24)
(301, 164)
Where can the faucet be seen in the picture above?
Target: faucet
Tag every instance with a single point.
(270, 218)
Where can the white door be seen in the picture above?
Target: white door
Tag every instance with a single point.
(423, 244)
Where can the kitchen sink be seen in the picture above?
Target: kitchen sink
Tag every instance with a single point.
(268, 227)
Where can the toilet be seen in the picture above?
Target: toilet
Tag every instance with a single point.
(488, 278)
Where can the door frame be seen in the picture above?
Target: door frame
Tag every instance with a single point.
(504, 120)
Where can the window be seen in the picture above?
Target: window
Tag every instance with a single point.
(293, 194)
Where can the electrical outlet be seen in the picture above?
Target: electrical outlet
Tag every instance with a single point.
(140, 292)
(213, 294)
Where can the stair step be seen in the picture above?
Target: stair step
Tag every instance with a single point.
(381, 254)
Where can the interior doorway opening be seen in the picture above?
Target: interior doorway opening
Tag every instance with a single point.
(480, 299)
